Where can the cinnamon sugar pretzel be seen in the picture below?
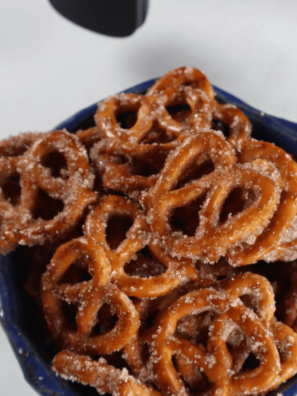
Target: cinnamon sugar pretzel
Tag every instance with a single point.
(147, 225)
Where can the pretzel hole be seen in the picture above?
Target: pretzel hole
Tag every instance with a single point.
(238, 200)
(220, 126)
(106, 320)
(115, 359)
(250, 301)
(251, 363)
(11, 190)
(147, 166)
(69, 312)
(238, 346)
(75, 273)
(201, 165)
(116, 230)
(194, 380)
(57, 163)
(195, 328)
(179, 110)
(144, 265)
(46, 207)
(127, 119)
(185, 219)
(157, 135)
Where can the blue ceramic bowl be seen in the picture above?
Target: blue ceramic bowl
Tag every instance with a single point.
(18, 315)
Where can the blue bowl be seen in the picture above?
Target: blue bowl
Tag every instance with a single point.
(18, 315)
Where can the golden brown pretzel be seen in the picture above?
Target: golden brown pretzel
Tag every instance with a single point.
(98, 374)
(215, 360)
(10, 213)
(135, 352)
(108, 110)
(136, 239)
(185, 85)
(120, 173)
(251, 150)
(212, 237)
(16, 146)
(88, 296)
(238, 124)
(70, 189)
(88, 137)
(12, 152)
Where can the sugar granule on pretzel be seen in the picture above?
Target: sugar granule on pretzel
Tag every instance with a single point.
(98, 374)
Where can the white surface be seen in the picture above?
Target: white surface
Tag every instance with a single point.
(50, 68)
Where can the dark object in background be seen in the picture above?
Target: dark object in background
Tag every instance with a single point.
(118, 18)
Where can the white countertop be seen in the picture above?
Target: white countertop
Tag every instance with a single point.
(50, 68)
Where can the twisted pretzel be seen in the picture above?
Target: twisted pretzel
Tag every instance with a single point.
(134, 351)
(103, 377)
(215, 361)
(89, 296)
(135, 240)
(12, 152)
(239, 125)
(269, 239)
(165, 197)
(184, 85)
(88, 137)
(72, 187)
(108, 110)
(16, 146)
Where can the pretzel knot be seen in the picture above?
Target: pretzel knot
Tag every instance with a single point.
(130, 252)
(64, 281)
(214, 360)
(70, 189)
(98, 374)
(211, 236)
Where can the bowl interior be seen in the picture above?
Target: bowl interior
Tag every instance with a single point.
(19, 314)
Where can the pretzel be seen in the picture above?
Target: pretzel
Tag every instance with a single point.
(134, 351)
(239, 126)
(11, 154)
(89, 296)
(211, 239)
(16, 146)
(98, 374)
(119, 174)
(215, 361)
(136, 239)
(106, 116)
(88, 137)
(271, 237)
(70, 189)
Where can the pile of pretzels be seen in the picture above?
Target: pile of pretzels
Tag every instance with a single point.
(161, 244)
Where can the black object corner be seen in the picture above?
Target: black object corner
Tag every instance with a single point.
(119, 18)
